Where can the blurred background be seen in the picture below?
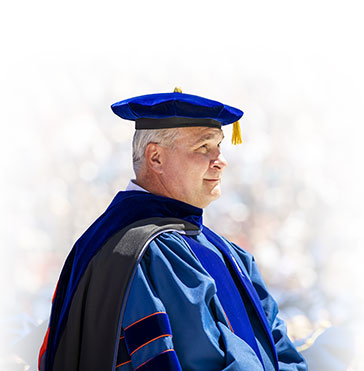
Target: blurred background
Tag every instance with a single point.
(292, 193)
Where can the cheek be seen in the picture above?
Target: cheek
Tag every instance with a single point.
(176, 169)
(187, 169)
(195, 169)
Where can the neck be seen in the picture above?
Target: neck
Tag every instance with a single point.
(152, 184)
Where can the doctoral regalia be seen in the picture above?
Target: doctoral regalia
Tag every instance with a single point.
(149, 287)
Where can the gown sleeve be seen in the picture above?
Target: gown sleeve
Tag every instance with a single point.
(289, 359)
(173, 313)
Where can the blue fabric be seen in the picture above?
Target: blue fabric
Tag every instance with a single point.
(164, 105)
(227, 293)
(164, 361)
(123, 355)
(289, 359)
(146, 330)
(170, 278)
(256, 323)
(247, 286)
(126, 208)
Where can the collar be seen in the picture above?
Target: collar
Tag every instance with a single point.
(133, 186)
(131, 206)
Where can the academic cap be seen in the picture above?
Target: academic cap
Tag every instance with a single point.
(175, 110)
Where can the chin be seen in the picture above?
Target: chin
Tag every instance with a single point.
(212, 197)
(215, 196)
(216, 192)
(203, 197)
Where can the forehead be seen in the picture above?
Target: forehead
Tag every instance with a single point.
(195, 135)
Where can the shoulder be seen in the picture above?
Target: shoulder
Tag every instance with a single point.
(170, 241)
(246, 258)
(238, 248)
(169, 248)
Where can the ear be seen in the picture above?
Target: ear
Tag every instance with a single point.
(153, 157)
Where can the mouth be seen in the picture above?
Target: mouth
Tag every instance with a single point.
(213, 180)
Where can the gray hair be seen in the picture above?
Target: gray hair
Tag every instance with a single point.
(142, 138)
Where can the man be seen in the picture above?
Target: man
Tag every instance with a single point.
(148, 286)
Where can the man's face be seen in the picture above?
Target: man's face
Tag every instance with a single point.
(192, 167)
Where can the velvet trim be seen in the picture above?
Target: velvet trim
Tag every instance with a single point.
(227, 293)
(247, 286)
(125, 209)
(163, 105)
(166, 360)
(175, 122)
(146, 330)
(123, 355)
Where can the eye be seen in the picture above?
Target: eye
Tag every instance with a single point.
(204, 147)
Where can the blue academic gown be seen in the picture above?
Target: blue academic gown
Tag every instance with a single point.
(173, 292)
(196, 301)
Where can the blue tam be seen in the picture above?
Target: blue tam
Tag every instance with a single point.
(172, 110)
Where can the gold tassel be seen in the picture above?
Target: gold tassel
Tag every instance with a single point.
(177, 90)
(236, 138)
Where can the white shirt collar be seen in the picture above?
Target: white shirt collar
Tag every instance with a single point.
(132, 186)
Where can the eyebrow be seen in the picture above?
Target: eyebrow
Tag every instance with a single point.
(208, 137)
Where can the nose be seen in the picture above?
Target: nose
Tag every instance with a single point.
(219, 162)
